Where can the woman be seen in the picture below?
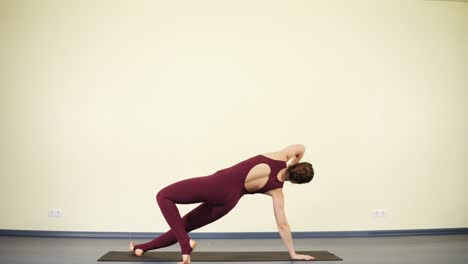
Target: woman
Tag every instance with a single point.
(219, 193)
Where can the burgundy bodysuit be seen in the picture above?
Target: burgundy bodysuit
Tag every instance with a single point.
(218, 194)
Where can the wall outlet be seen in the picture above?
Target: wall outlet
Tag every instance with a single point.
(55, 212)
(378, 213)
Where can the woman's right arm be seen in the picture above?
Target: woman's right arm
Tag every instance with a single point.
(282, 224)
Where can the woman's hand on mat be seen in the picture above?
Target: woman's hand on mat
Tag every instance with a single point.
(300, 256)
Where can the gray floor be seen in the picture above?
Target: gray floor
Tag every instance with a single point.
(407, 249)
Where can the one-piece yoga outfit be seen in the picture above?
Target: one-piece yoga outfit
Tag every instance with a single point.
(218, 194)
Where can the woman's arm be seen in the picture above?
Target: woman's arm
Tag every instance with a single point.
(294, 153)
(282, 224)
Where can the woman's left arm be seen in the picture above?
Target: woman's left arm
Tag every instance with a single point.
(282, 224)
(294, 153)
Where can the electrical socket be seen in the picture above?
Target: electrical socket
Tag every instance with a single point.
(378, 213)
(55, 212)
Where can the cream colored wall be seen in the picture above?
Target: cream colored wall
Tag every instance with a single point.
(106, 102)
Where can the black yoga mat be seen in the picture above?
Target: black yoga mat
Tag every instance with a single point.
(156, 256)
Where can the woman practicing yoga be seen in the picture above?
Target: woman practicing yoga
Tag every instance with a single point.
(219, 193)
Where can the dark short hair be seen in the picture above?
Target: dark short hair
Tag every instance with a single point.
(301, 172)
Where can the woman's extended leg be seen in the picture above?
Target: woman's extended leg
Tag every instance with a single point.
(201, 189)
(200, 216)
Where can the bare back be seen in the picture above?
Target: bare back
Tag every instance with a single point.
(259, 174)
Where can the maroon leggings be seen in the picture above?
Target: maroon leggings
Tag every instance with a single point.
(218, 195)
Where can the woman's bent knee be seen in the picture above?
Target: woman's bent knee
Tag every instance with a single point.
(160, 196)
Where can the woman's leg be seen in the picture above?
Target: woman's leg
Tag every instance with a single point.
(200, 216)
(209, 190)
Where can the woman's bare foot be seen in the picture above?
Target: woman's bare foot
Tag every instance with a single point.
(185, 257)
(193, 244)
(138, 252)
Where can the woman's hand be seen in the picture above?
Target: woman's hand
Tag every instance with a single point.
(294, 152)
(292, 161)
(302, 257)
